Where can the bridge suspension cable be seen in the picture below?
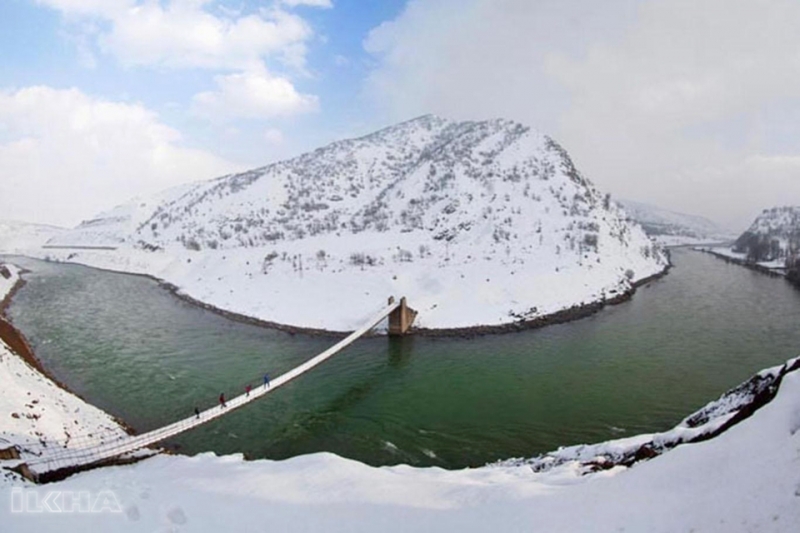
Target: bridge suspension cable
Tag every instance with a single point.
(54, 458)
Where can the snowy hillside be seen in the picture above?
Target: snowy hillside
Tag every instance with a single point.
(478, 223)
(773, 236)
(671, 228)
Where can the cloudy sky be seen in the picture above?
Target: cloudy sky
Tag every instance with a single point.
(691, 105)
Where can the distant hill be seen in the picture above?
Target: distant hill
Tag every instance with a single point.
(19, 237)
(773, 236)
(673, 228)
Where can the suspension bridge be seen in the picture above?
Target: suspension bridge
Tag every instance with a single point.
(55, 460)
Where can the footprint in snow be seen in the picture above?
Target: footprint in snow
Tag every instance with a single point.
(132, 512)
(177, 516)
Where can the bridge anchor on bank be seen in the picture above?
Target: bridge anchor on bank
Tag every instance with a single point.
(401, 319)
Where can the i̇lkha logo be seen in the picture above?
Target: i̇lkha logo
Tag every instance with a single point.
(64, 501)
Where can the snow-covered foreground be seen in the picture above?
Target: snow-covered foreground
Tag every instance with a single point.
(744, 480)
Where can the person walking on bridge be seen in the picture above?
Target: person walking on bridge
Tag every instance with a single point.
(247, 390)
(222, 400)
(266, 380)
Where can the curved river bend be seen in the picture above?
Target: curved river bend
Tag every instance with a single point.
(133, 349)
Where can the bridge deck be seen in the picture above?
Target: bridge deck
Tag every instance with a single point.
(54, 458)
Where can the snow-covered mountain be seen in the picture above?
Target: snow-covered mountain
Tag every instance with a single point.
(673, 228)
(476, 222)
(773, 236)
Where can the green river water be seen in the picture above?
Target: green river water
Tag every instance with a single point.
(135, 350)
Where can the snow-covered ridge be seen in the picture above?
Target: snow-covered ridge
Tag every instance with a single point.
(773, 236)
(672, 228)
(477, 223)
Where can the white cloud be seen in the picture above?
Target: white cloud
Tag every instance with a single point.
(680, 103)
(273, 136)
(77, 155)
(185, 34)
(188, 34)
(88, 7)
(252, 95)
(312, 3)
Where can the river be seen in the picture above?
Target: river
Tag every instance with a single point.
(132, 348)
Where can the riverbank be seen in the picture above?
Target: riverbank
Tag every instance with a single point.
(533, 318)
(16, 341)
(11, 336)
(769, 270)
(34, 405)
(576, 312)
(309, 290)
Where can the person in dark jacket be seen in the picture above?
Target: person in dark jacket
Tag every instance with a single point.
(222, 399)
(266, 380)
(196, 412)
